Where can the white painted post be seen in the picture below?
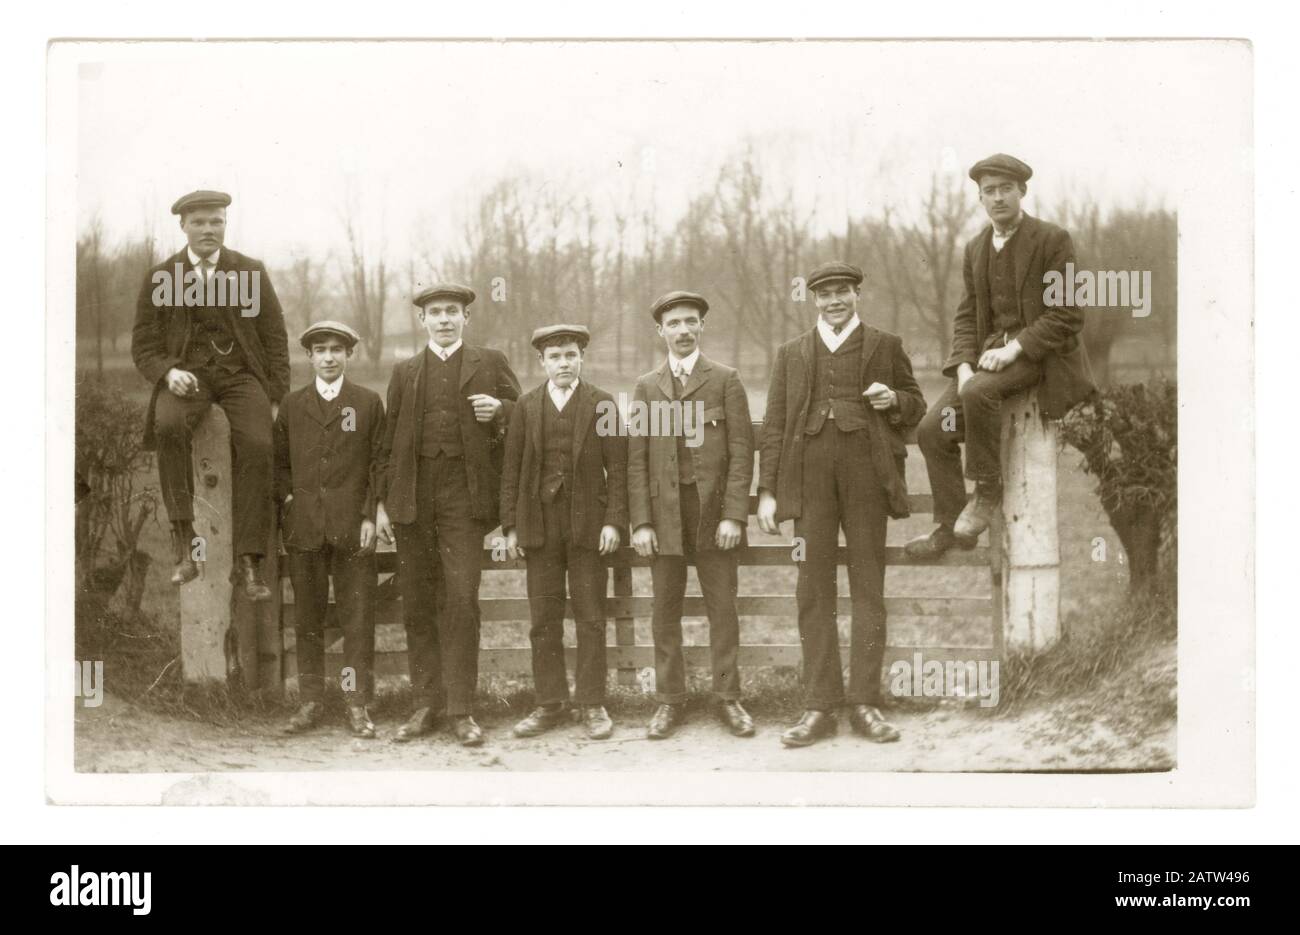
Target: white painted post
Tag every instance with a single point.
(1031, 593)
(213, 602)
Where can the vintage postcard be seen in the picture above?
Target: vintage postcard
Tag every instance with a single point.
(651, 422)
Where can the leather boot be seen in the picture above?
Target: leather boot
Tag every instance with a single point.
(868, 722)
(664, 721)
(935, 544)
(813, 726)
(250, 573)
(186, 569)
(359, 721)
(979, 512)
(736, 718)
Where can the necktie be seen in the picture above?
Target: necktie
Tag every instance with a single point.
(206, 267)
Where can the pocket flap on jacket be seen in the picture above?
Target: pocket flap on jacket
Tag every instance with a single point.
(716, 414)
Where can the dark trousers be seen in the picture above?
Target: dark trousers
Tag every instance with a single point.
(354, 596)
(547, 568)
(975, 416)
(439, 564)
(840, 489)
(716, 570)
(249, 412)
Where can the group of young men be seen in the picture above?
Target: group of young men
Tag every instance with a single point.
(457, 450)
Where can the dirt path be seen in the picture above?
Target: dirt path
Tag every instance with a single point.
(121, 737)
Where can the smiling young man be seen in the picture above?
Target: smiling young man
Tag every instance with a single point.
(448, 406)
(328, 436)
(831, 456)
(1005, 340)
(691, 504)
(195, 353)
(563, 508)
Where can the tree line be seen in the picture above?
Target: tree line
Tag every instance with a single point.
(537, 253)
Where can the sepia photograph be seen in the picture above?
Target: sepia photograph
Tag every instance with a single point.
(664, 420)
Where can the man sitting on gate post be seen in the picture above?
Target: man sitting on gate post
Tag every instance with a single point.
(1006, 339)
(208, 328)
(328, 437)
(831, 455)
(563, 506)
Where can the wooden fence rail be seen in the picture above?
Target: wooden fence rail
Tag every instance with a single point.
(260, 644)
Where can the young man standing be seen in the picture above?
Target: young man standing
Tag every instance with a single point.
(328, 436)
(689, 500)
(563, 506)
(1005, 340)
(832, 455)
(448, 406)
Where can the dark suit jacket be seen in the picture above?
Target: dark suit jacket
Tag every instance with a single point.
(482, 370)
(1051, 334)
(599, 495)
(160, 333)
(328, 456)
(790, 395)
(724, 461)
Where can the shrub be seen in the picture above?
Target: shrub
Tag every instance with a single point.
(1129, 439)
(112, 503)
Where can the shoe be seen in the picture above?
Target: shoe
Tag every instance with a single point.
(307, 717)
(540, 720)
(870, 723)
(186, 569)
(599, 726)
(979, 512)
(359, 721)
(664, 722)
(250, 572)
(937, 543)
(467, 732)
(736, 718)
(813, 726)
(417, 725)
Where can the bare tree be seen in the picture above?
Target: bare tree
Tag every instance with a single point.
(927, 257)
(365, 284)
(303, 294)
(91, 275)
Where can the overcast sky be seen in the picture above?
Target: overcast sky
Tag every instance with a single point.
(419, 129)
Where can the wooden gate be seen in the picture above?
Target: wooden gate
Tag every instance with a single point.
(1023, 551)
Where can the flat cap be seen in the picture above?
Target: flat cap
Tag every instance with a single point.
(671, 299)
(200, 199)
(1001, 164)
(454, 290)
(577, 333)
(836, 269)
(316, 329)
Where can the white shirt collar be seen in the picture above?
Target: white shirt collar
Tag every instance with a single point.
(833, 340)
(444, 352)
(560, 395)
(329, 391)
(195, 259)
(683, 364)
(1000, 238)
